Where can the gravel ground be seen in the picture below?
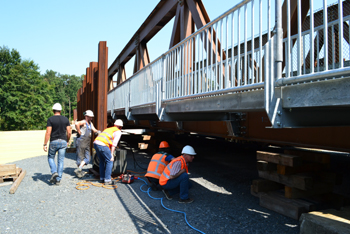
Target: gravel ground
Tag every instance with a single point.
(221, 193)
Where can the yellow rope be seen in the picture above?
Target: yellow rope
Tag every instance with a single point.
(110, 186)
(87, 184)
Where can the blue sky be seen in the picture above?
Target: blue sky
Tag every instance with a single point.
(63, 35)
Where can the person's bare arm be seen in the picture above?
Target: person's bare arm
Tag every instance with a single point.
(78, 125)
(112, 153)
(69, 133)
(47, 137)
(94, 130)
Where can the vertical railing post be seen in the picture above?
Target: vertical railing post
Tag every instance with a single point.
(279, 41)
(273, 105)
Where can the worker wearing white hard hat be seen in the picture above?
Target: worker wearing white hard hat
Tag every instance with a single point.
(58, 130)
(105, 145)
(175, 178)
(84, 128)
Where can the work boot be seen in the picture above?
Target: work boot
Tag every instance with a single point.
(78, 172)
(53, 178)
(109, 183)
(58, 183)
(167, 196)
(188, 200)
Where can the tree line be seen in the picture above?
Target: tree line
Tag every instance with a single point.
(26, 96)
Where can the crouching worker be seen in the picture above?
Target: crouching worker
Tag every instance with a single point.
(157, 164)
(105, 144)
(175, 178)
(84, 128)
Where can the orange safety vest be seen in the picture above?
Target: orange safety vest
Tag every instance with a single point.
(157, 165)
(166, 173)
(107, 136)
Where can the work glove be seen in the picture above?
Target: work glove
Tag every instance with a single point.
(98, 132)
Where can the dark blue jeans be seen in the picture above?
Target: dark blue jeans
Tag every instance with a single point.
(180, 184)
(106, 165)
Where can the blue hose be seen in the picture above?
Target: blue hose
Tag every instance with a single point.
(161, 200)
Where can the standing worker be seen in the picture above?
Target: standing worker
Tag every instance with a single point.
(58, 130)
(105, 144)
(84, 129)
(175, 178)
(157, 164)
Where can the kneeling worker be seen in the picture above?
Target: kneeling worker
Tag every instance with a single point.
(105, 144)
(157, 164)
(84, 128)
(175, 178)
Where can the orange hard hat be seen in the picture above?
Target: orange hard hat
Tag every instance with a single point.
(163, 144)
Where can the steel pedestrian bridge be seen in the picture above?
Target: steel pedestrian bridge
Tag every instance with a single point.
(288, 60)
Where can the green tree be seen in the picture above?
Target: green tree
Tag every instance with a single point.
(65, 88)
(24, 96)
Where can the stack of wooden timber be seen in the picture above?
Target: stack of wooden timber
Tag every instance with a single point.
(149, 143)
(291, 179)
(10, 174)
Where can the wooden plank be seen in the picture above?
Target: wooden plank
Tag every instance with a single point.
(289, 207)
(17, 182)
(282, 159)
(305, 167)
(261, 185)
(142, 146)
(311, 156)
(295, 181)
(6, 183)
(146, 137)
(266, 166)
(7, 169)
(318, 189)
(18, 171)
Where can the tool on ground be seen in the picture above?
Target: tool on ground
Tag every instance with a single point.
(127, 178)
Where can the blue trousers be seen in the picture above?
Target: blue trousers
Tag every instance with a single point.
(59, 146)
(180, 184)
(106, 165)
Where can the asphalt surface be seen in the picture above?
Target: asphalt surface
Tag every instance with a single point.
(221, 182)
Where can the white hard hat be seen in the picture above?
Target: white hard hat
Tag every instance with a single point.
(57, 106)
(89, 113)
(188, 150)
(118, 122)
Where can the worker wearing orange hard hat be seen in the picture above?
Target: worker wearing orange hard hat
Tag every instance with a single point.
(157, 164)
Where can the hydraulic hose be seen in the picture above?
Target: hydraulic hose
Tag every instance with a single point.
(161, 200)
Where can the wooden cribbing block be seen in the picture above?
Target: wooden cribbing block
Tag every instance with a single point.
(292, 208)
(143, 146)
(261, 185)
(8, 170)
(146, 137)
(17, 182)
(266, 166)
(295, 181)
(282, 159)
(305, 167)
(311, 156)
(290, 192)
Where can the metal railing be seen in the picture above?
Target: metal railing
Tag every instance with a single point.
(238, 51)
(220, 56)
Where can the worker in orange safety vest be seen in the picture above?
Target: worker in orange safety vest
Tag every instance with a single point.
(157, 164)
(105, 144)
(175, 178)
